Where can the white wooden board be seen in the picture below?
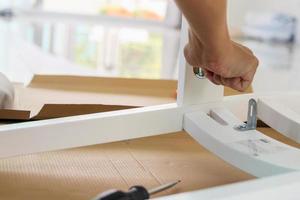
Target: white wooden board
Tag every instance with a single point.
(70, 132)
(282, 113)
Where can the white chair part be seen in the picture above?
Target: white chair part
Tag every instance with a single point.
(282, 113)
(250, 150)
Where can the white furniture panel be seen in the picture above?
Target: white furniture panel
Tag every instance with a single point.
(282, 112)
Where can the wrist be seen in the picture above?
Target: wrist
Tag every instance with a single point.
(217, 40)
(216, 52)
(218, 45)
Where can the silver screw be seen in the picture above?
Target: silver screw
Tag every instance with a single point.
(199, 72)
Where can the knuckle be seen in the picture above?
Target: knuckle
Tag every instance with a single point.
(222, 71)
(225, 71)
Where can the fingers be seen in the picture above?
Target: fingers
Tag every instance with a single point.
(236, 83)
(214, 78)
(208, 74)
(217, 79)
(239, 84)
(233, 66)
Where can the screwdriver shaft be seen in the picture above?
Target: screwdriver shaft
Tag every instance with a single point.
(163, 187)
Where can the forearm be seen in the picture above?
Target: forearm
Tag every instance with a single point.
(210, 47)
(208, 21)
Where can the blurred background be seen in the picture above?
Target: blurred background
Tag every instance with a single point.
(138, 38)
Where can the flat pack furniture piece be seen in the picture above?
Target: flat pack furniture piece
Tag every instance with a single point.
(203, 112)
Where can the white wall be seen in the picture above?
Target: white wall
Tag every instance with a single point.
(238, 8)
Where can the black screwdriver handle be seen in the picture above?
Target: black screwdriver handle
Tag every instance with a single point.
(134, 193)
(138, 193)
(112, 195)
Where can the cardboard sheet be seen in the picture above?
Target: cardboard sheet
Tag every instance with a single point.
(60, 96)
(80, 174)
(52, 96)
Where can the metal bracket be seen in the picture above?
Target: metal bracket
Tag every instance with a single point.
(251, 123)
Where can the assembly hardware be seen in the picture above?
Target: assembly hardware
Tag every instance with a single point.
(199, 72)
(163, 187)
(251, 123)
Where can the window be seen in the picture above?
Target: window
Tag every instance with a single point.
(144, 9)
(128, 38)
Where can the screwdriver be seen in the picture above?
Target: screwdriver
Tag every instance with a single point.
(134, 193)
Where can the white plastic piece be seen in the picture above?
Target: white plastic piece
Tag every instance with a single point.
(250, 150)
(6, 92)
(55, 134)
(282, 113)
(275, 188)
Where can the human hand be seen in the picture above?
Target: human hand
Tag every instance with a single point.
(228, 63)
